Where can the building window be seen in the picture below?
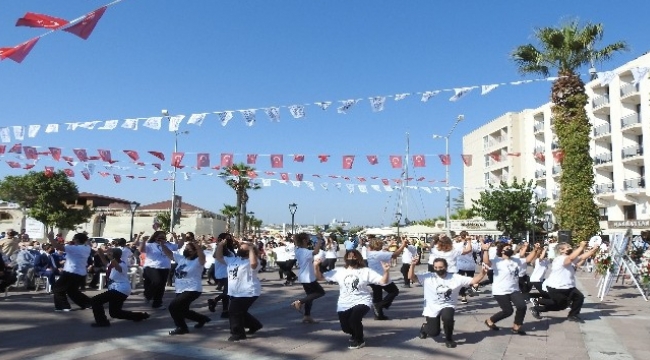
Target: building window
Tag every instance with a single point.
(629, 212)
(5, 216)
(486, 179)
(487, 160)
(486, 142)
(602, 212)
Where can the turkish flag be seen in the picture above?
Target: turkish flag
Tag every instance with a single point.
(56, 153)
(2, 149)
(105, 155)
(396, 161)
(156, 165)
(384, 181)
(41, 21)
(270, 173)
(348, 160)
(103, 173)
(18, 52)
(419, 161)
(299, 158)
(445, 159)
(85, 174)
(49, 171)
(158, 154)
(29, 166)
(177, 158)
(284, 176)
(132, 154)
(67, 158)
(558, 156)
(30, 152)
(13, 164)
(361, 179)
(299, 177)
(226, 160)
(16, 149)
(495, 156)
(130, 176)
(421, 178)
(202, 160)
(234, 172)
(251, 174)
(69, 172)
(277, 161)
(467, 159)
(372, 159)
(251, 159)
(85, 27)
(81, 154)
(323, 158)
(117, 178)
(316, 175)
(93, 157)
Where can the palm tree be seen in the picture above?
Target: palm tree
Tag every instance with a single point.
(229, 211)
(566, 49)
(256, 224)
(237, 178)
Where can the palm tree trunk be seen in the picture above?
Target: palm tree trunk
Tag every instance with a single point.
(239, 214)
(244, 200)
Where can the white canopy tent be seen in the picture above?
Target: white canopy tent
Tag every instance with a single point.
(420, 229)
(380, 231)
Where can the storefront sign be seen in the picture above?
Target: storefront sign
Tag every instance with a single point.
(635, 224)
(458, 225)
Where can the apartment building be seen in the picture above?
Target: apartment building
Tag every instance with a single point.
(619, 113)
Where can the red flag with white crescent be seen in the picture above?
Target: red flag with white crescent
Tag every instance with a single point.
(202, 160)
(419, 161)
(251, 159)
(372, 159)
(226, 160)
(158, 154)
(41, 21)
(16, 149)
(177, 158)
(251, 174)
(277, 161)
(49, 171)
(445, 159)
(30, 153)
(348, 161)
(81, 154)
(323, 158)
(384, 181)
(13, 164)
(396, 161)
(284, 176)
(18, 53)
(299, 158)
(132, 154)
(105, 155)
(85, 27)
(69, 172)
(85, 174)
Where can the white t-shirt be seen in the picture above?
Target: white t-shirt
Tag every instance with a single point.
(375, 258)
(305, 259)
(540, 269)
(440, 293)
(76, 259)
(187, 275)
(407, 255)
(221, 270)
(506, 276)
(320, 256)
(155, 258)
(119, 281)
(353, 285)
(209, 259)
(523, 266)
(492, 254)
(242, 279)
(562, 276)
(450, 256)
(364, 252)
(464, 262)
(551, 250)
(281, 254)
(127, 255)
(291, 254)
(331, 250)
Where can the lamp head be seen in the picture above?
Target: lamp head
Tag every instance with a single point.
(165, 112)
(460, 117)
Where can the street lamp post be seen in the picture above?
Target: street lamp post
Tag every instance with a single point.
(398, 216)
(133, 205)
(447, 163)
(102, 220)
(165, 113)
(249, 221)
(292, 209)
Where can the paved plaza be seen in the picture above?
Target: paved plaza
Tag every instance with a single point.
(617, 328)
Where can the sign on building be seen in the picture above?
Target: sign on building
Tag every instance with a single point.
(34, 228)
(458, 225)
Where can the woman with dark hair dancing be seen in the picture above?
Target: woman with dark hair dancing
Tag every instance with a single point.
(307, 276)
(221, 274)
(156, 267)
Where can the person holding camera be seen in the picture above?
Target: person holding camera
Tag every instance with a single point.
(156, 267)
(119, 288)
(74, 273)
(306, 275)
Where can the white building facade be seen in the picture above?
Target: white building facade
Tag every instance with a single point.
(619, 112)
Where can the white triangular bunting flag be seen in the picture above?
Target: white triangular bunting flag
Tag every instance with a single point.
(32, 130)
(52, 128)
(72, 126)
(375, 187)
(347, 104)
(19, 132)
(130, 124)
(297, 111)
(153, 122)
(323, 104)
(401, 96)
(487, 88)
(377, 103)
(90, 125)
(249, 116)
(309, 184)
(460, 92)
(295, 183)
(388, 188)
(196, 119)
(266, 182)
(337, 185)
(639, 73)
(109, 125)
(426, 189)
(186, 176)
(224, 117)
(90, 167)
(350, 187)
(437, 189)
(5, 135)
(273, 113)
(175, 122)
(428, 95)
(324, 186)
(363, 188)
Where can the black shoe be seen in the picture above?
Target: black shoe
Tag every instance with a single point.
(381, 317)
(234, 338)
(101, 324)
(472, 291)
(200, 324)
(356, 345)
(463, 300)
(407, 285)
(575, 318)
(212, 305)
(535, 313)
(145, 316)
(493, 327)
(252, 331)
(518, 332)
(423, 333)
(225, 315)
(450, 344)
(179, 331)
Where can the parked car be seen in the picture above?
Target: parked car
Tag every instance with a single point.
(100, 240)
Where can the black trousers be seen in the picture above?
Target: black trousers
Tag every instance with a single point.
(281, 265)
(537, 285)
(286, 270)
(313, 291)
(490, 278)
(179, 309)
(331, 264)
(505, 303)
(524, 284)
(154, 284)
(223, 297)
(378, 292)
(405, 273)
(432, 326)
(469, 273)
(115, 300)
(352, 321)
(69, 285)
(240, 318)
(563, 298)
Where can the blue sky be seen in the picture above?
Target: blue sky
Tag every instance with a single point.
(205, 56)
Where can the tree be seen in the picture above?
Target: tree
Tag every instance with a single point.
(45, 198)
(510, 206)
(229, 211)
(257, 224)
(566, 49)
(237, 178)
(164, 219)
(458, 202)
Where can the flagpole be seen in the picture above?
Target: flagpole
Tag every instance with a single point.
(447, 164)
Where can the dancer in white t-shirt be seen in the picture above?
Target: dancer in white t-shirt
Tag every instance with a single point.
(376, 259)
(354, 298)
(221, 274)
(188, 283)
(307, 275)
(73, 275)
(441, 290)
(156, 267)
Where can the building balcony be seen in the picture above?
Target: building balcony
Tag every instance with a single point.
(631, 151)
(556, 195)
(539, 149)
(630, 120)
(605, 189)
(539, 127)
(602, 130)
(635, 183)
(555, 145)
(540, 174)
(603, 159)
(557, 170)
(600, 103)
(629, 91)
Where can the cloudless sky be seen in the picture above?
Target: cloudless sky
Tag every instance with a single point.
(208, 55)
